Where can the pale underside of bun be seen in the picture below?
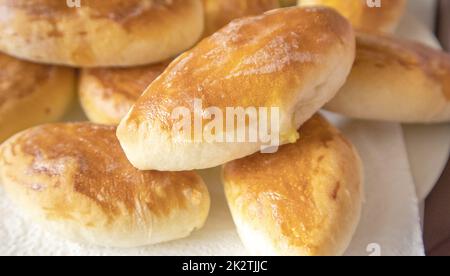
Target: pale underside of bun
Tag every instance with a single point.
(107, 94)
(32, 94)
(100, 33)
(396, 80)
(303, 200)
(219, 13)
(79, 184)
(262, 61)
(363, 16)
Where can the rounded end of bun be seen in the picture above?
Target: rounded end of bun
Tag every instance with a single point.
(395, 80)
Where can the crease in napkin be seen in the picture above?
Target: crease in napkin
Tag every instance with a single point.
(390, 221)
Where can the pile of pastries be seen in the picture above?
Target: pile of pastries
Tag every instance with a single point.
(122, 180)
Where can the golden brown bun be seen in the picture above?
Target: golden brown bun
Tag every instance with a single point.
(32, 94)
(107, 94)
(267, 61)
(396, 80)
(303, 200)
(99, 33)
(362, 16)
(219, 13)
(75, 180)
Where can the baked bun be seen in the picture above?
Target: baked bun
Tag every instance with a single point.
(396, 80)
(303, 200)
(383, 19)
(75, 180)
(107, 94)
(219, 13)
(32, 94)
(99, 33)
(294, 65)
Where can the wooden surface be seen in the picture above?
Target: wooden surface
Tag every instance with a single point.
(443, 26)
(437, 210)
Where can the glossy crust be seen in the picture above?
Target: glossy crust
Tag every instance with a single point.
(107, 94)
(75, 180)
(32, 94)
(99, 33)
(364, 17)
(396, 80)
(303, 200)
(219, 13)
(296, 65)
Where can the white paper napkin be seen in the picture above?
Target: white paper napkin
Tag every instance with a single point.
(390, 223)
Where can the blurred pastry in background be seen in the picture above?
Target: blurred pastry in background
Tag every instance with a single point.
(287, 3)
(396, 80)
(32, 94)
(261, 62)
(364, 14)
(303, 200)
(75, 181)
(107, 94)
(100, 33)
(219, 13)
